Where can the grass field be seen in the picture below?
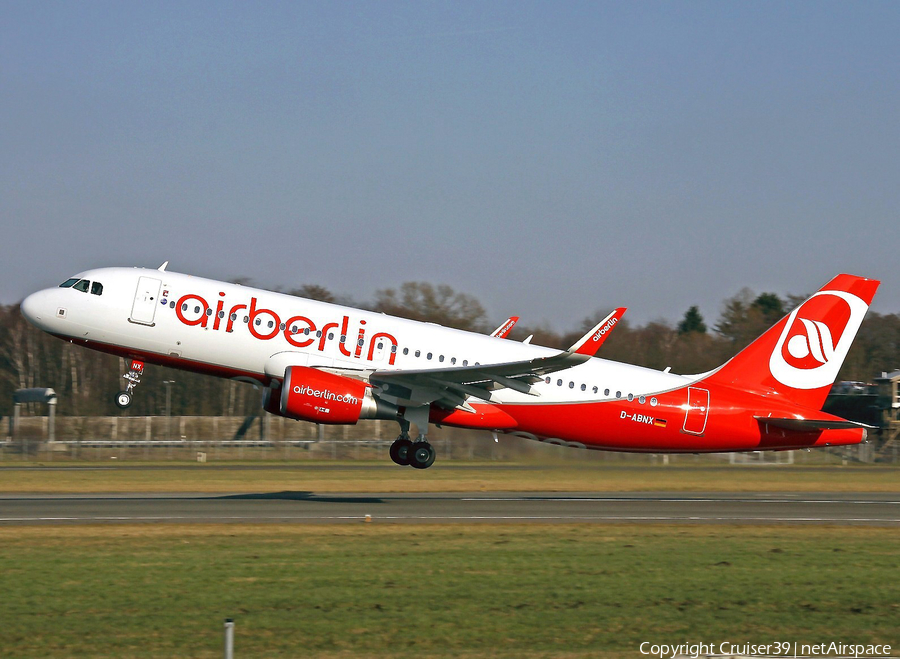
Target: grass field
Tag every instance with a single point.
(377, 590)
(445, 477)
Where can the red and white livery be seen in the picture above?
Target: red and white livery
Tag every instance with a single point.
(333, 364)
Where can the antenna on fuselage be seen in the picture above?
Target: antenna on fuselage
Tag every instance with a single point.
(163, 267)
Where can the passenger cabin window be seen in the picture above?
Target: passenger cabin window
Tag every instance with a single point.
(96, 288)
(69, 283)
(82, 286)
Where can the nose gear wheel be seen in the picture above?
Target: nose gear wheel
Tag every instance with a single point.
(133, 376)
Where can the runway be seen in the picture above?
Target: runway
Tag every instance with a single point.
(455, 508)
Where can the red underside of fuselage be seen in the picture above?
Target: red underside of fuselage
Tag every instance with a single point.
(623, 425)
(612, 425)
(601, 425)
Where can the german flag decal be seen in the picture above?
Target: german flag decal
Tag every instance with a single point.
(659, 423)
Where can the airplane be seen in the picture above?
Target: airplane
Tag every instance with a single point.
(333, 364)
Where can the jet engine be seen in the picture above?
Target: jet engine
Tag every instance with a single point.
(308, 394)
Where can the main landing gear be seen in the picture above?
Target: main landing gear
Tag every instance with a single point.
(418, 454)
(124, 398)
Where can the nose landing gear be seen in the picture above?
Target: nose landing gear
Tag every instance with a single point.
(124, 398)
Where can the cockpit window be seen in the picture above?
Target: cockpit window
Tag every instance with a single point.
(96, 288)
(68, 283)
(82, 286)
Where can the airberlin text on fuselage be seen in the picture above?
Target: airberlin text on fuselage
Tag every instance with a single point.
(299, 331)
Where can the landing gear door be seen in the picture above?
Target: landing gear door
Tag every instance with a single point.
(146, 299)
(697, 411)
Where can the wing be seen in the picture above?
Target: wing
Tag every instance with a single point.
(449, 387)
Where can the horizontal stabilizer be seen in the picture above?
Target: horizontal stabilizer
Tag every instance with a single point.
(590, 343)
(811, 425)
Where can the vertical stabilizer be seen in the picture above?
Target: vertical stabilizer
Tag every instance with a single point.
(799, 358)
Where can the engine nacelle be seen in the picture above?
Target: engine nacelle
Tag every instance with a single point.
(271, 401)
(309, 394)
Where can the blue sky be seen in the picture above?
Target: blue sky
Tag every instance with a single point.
(549, 158)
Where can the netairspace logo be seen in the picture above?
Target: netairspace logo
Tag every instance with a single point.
(777, 649)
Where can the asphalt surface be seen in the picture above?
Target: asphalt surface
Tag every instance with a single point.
(473, 507)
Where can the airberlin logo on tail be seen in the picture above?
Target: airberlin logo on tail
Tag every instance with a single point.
(817, 343)
(816, 340)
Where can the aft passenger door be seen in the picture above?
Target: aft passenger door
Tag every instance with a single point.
(145, 301)
(697, 411)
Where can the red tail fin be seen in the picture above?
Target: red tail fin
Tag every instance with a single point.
(799, 358)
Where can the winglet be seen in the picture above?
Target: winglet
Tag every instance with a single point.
(590, 343)
(163, 267)
(503, 331)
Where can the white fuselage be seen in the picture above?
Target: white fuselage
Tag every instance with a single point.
(231, 329)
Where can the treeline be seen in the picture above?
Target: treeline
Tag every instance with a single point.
(87, 381)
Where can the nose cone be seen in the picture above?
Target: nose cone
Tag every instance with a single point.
(37, 308)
